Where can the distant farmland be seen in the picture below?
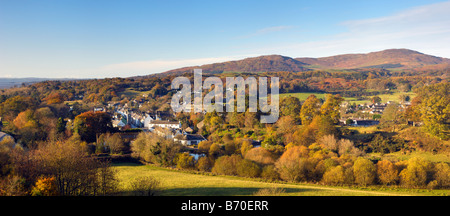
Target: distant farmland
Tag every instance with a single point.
(395, 96)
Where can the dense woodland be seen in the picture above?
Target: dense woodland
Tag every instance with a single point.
(57, 138)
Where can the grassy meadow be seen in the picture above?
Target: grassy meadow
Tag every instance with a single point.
(395, 96)
(182, 183)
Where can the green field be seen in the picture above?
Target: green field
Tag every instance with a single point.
(179, 183)
(436, 158)
(384, 97)
(131, 92)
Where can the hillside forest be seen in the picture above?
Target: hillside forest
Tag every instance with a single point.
(58, 145)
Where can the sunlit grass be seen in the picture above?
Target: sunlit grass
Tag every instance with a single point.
(181, 183)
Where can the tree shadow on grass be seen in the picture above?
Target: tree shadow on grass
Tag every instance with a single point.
(225, 191)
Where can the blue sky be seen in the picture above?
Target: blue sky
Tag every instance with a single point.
(115, 38)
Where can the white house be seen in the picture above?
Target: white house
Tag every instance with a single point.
(189, 139)
(164, 124)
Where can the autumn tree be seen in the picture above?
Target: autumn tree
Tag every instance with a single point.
(185, 161)
(416, 174)
(111, 143)
(293, 165)
(334, 176)
(291, 106)
(442, 175)
(321, 126)
(364, 171)
(204, 146)
(434, 108)
(310, 108)
(74, 173)
(247, 168)
(391, 116)
(387, 172)
(205, 164)
(11, 107)
(260, 156)
(90, 124)
(270, 173)
(54, 98)
(155, 149)
(330, 108)
(286, 127)
(45, 186)
(245, 147)
(227, 165)
(376, 99)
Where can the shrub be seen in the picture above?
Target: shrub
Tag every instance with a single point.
(288, 166)
(227, 165)
(155, 149)
(387, 172)
(269, 173)
(273, 191)
(442, 175)
(45, 186)
(247, 168)
(204, 146)
(260, 156)
(364, 171)
(205, 164)
(334, 176)
(416, 173)
(185, 161)
(245, 147)
(214, 150)
(145, 186)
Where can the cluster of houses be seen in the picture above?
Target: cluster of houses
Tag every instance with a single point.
(154, 123)
(376, 108)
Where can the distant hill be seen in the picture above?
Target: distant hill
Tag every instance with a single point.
(391, 58)
(17, 82)
(268, 63)
(387, 59)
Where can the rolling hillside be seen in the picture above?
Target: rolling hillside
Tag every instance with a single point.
(269, 63)
(392, 58)
(387, 59)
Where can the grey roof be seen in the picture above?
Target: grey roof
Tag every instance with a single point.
(3, 135)
(164, 122)
(191, 137)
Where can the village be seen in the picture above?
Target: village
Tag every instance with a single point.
(158, 123)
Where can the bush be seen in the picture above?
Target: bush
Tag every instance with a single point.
(260, 156)
(387, 172)
(269, 173)
(215, 150)
(273, 191)
(442, 175)
(185, 161)
(205, 164)
(293, 165)
(44, 187)
(155, 149)
(145, 186)
(227, 165)
(334, 176)
(247, 168)
(416, 173)
(204, 146)
(364, 171)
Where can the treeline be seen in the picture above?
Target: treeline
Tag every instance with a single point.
(101, 91)
(329, 162)
(57, 168)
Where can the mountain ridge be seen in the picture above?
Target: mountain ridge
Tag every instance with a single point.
(387, 59)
